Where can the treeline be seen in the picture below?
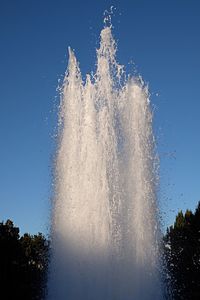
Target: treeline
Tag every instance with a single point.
(24, 260)
(23, 264)
(182, 256)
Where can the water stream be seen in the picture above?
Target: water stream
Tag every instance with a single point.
(105, 228)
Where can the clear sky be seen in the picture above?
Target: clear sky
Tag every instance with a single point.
(161, 37)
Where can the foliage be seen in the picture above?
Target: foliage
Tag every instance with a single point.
(23, 263)
(182, 252)
(24, 260)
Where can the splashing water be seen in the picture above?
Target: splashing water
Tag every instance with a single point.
(105, 228)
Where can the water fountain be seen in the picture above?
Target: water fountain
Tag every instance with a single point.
(105, 228)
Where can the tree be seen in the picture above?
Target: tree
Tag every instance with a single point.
(182, 253)
(23, 264)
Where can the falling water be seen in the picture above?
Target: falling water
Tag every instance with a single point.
(105, 228)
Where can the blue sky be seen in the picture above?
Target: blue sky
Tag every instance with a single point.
(162, 38)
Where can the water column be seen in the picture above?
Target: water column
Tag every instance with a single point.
(105, 229)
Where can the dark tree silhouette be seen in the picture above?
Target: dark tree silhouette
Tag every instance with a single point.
(23, 264)
(24, 260)
(182, 253)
